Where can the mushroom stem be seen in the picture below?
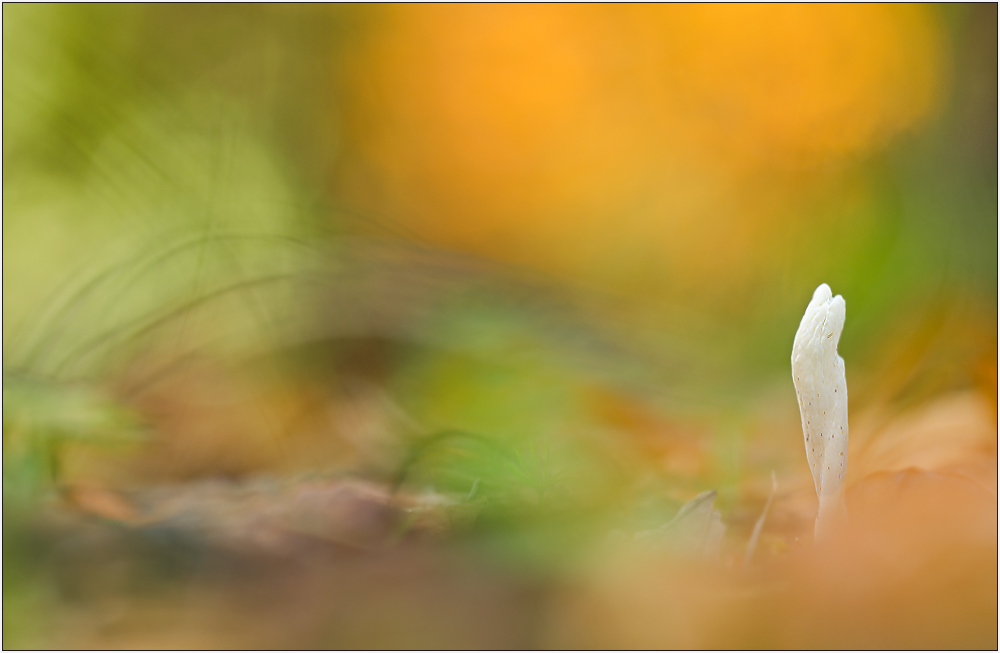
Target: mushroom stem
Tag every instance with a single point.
(831, 516)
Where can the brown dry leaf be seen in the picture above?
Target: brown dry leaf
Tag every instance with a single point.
(101, 502)
(677, 448)
(915, 567)
(272, 516)
(958, 431)
(696, 530)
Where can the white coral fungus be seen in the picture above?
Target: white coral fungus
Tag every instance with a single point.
(818, 374)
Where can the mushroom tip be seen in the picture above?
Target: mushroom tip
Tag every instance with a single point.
(822, 293)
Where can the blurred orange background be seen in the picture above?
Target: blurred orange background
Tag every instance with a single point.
(629, 145)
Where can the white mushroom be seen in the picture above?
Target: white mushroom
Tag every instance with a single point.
(818, 374)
